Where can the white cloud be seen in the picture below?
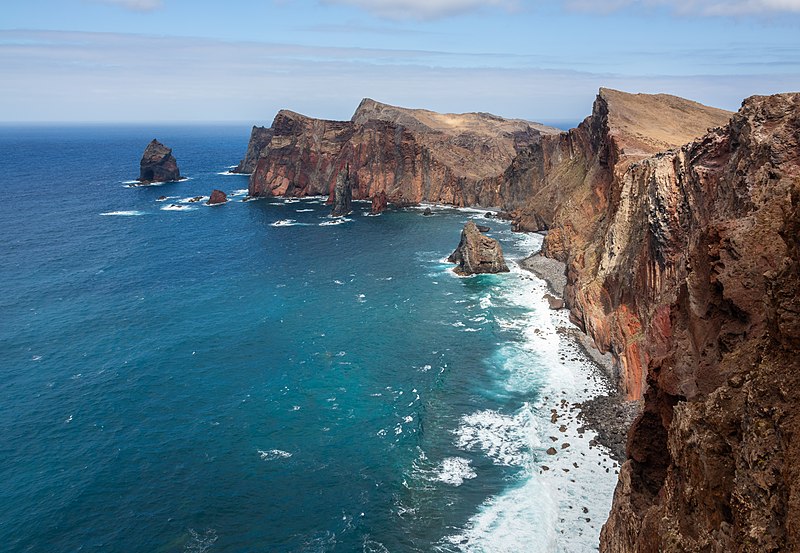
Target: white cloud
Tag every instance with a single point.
(691, 7)
(423, 9)
(134, 5)
(437, 9)
(72, 76)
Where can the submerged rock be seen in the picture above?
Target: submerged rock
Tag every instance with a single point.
(477, 253)
(342, 194)
(158, 164)
(379, 203)
(217, 197)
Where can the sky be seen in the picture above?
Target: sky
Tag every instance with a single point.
(175, 61)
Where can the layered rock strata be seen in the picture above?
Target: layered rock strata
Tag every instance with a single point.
(575, 183)
(409, 155)
(158, 164)
(702, 251)
(477, 254)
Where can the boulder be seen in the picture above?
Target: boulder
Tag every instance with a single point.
(555, 303)
(477, 253)
(158, 164)
(427, 212)
(217, 197)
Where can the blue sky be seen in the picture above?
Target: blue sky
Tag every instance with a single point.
(242, 60)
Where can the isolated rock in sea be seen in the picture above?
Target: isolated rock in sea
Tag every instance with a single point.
(477, 253)
(217, 197)
(260, 138)
(427, 212)
(379, 203)
(483, 228)
(158, 164)
(342, 194)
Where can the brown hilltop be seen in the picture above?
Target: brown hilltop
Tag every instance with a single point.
(643, 124)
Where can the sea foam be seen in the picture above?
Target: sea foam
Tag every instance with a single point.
(131, 213)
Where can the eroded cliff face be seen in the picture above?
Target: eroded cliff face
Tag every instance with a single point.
(409, 155)
(575, 185)
(259, 139)
(702, 253)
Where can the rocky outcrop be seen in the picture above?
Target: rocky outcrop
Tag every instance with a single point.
(259, 139)
(217, 197)
(379, 203)
(410, 155)
(342, 194)
(701, 254)
(158, 164)
(477, 254)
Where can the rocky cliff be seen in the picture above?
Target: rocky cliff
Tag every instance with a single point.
(700, 259)
(575, 184)
(259, 139)
(678, 224)
(409, 155)
(158, 164)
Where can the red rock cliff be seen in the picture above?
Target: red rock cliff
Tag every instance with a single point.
(701, 255)
(574, 184)
(410, 155)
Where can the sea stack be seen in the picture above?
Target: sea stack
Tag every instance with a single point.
(342, 194)
(477, 253)
(158, 164)
(379, 203)
(217, 197)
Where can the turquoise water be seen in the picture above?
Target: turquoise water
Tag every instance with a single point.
(252, 377)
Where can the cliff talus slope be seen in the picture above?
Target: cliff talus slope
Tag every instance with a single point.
(701, 253)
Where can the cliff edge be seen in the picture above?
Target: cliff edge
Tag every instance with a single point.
(704, 239)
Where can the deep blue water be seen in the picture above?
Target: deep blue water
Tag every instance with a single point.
(199, 378)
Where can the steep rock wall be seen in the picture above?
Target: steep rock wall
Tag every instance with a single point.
(702, 254)
(259, 139)
(410, 155)
(576, 184)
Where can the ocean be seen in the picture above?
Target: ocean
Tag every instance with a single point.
(259, 377)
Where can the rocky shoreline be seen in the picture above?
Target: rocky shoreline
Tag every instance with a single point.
(610, 416)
